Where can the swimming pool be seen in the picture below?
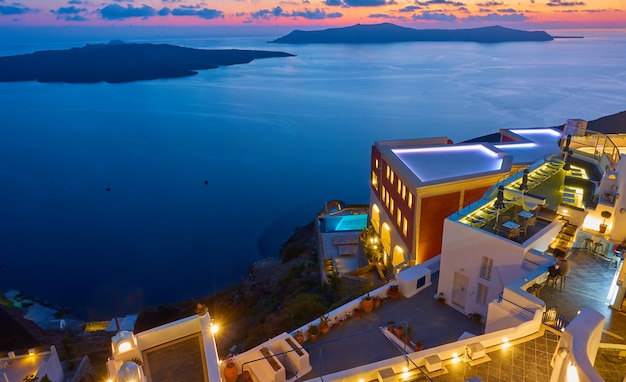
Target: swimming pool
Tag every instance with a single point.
(344, 223)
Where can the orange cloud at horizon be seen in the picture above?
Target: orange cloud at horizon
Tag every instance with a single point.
(413, 13)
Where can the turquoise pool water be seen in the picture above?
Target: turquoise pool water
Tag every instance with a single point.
(345, 223)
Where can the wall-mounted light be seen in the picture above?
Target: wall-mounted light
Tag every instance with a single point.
(622, 210)
(124, 347)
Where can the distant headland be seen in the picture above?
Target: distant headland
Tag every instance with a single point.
(118, 62)
(388, 33)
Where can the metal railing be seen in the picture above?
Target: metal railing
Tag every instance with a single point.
(596, 144)
(554, 319)
(501, 298)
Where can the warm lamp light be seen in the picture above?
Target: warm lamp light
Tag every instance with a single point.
(124, 347)
(455, 358)
(505, 343)
(214, 328)
(572, 373)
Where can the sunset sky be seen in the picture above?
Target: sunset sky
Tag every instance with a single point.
(524, 14)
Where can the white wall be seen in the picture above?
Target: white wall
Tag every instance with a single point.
(462, 250)
(577, 348)
(619, 223)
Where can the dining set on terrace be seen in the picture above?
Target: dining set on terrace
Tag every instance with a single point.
(516, 225)
(513, 212)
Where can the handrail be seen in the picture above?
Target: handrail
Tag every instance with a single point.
(601, 143)
(268, 357)
(501, 298)
(405, 354)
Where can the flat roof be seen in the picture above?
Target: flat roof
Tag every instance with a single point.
(437, 162)
(528, 145)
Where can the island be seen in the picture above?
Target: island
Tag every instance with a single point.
(387, 33)
(118, 62)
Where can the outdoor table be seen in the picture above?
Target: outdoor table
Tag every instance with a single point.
(511, 224)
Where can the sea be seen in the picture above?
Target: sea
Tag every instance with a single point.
(118, 196)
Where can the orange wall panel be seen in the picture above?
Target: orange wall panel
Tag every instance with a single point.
(473, 195)
(434, 210)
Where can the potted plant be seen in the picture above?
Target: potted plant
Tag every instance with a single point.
(299, 336)
(409, 334)
(324, 327)
(390, 325)
(376, 302)
(418, 344)
(393, 292)
(314, 331)
(230, 371)
(440, 299)
(357, 312)
(605, 215)
(399, 331)
(475, 317)
(367, 304)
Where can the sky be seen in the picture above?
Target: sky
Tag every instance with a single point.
(521, 14)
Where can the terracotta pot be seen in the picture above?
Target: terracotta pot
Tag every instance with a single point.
(399, 332)
(341, 323)
(393, 292)
(299, 337)
(418, 345)
(313, 337)
(357, 313)
(324, 328)
(231, 373)
(376, 302)
(367, 305)
(247, 377)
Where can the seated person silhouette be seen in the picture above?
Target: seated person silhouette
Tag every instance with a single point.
(560, 267)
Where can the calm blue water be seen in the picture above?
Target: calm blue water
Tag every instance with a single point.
(275, 139)
(345, 223)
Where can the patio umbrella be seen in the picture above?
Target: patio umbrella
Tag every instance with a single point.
(567, 142)
(524, 186)
(499, 205)
(568, 159)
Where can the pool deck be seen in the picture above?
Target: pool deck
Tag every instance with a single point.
(339, 250)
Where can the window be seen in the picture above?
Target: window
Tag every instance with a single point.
(410, 200)
(399, 186)
(403, 192)
(399, 218)
(374, 180)
(405, 226)
(387, 198)
(485, 268)
(392, 207)
(481, 294)
(388, 171)
(376, 163)
(382, 194)
(393, 177)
